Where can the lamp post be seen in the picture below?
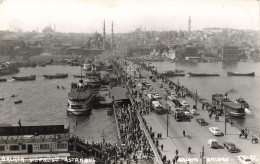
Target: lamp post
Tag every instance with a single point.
(167, 121)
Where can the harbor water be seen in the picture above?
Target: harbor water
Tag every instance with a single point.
(245, 87)
(44, 104)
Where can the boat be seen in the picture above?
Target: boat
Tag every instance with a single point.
(41, 64)
(80, 99)
(93, 82)
(242, 102)
(9, 70)
(232, 109)
(202, 74)
(174, 73)
(25, 78)
(87, 66)
(2, 99)
(56, 76)
(18, 102)
(3, 80)
(240, 74)
(79, 76)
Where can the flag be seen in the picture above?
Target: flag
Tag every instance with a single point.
(19, 122)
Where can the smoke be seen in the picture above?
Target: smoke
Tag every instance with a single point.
(231, 90)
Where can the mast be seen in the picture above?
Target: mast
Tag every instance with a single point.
(104, 35)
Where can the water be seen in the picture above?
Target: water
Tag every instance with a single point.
(44, 104)
(246, 87)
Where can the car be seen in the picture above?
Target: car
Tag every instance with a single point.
(244, 159)
(173, 94)
(184, 103)
(201, 121)
(194, 112)
(213, 143)
(231, 147)
(187, 114)
(160, 85)
(215, 131)
(157, 96)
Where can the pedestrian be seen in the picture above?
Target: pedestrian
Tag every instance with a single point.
(183, 133)
(162, 147)
(189, 150)
(173, 160)
(176, 152)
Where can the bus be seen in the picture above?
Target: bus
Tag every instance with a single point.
(177, 113)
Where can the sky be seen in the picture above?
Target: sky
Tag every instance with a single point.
(87, 16)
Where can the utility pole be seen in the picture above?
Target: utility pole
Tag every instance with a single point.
(202, 155)
(167, 122)
(196, 99)
(225, 117)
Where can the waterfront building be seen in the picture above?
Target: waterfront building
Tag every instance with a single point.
(33, 140)
(190, 51)
(230, 53)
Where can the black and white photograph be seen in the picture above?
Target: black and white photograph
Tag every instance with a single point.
(130, 81)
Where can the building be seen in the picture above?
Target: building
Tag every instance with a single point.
(39, 141)
(190, 51)
(230, 53)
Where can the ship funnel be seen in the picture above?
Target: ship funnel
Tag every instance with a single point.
(80, 83)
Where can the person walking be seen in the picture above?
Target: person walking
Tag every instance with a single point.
(176, 152)
(189, 150)
(183, 133)
(162, 147)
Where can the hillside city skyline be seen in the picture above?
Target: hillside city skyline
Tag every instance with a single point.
(150, 15)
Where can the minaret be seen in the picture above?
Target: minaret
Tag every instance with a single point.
(189, 25)
(54, 28)
(104, 35)
(112, 36)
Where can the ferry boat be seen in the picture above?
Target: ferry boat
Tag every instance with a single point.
(232, 108)
(34, 142)
(25, 78)
(80, 99)
(93, 82)
(203, 74)
(242, 102)
(240, 74)
(174, 73)
(56, 76)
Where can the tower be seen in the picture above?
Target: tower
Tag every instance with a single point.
(112, 36)
(54, 28)
(189, 28)
(104, 35)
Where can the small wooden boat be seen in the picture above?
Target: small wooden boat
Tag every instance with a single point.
(41, 65)
(18, 102)
(25, 78)
(56, 76)
(3, 80)
(79, 76)
(240, 74)
(2, 99)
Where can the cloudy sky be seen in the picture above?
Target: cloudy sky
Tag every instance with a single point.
(88, 15)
